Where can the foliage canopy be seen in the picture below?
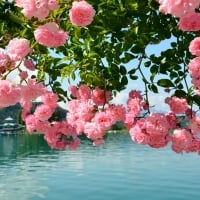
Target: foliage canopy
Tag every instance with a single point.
(120, 34)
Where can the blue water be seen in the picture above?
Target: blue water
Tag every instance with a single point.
(119, 170)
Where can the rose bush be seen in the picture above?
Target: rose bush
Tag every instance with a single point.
(106, 46)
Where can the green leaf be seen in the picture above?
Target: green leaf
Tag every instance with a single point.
(154, 69)
(181, 73)
(56, 84)
(132, 71)
(152, 76)
(196, 99)
(173, 75)
(128, 57)
(134, 5)
(59, 91)
(114, 69)
(124, 80)
(180, 93)
(122, 70)
(154, 88)
(137, 49)
(165, 83)
(174, 44)
(147, 63)
(133, 77)
(180, 86)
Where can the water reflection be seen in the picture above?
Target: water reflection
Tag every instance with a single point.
(29, 169)
(16, 147)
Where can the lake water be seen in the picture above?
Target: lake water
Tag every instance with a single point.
(118, 170)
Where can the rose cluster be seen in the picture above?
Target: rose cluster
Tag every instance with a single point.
(185, 10)
(37, 8)
(58, 134)
(49, 34)
(189, 20)
(186, 139)
(16, 50)
(90, 112)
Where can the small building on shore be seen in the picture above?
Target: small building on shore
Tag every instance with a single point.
(10, 127)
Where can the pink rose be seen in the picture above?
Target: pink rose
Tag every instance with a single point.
(178, 8)
(158, 141)
(26, 105)
(157, 124)
(103, 120)
(10, 94)
(194, 46)
(50, 35)
(138, 135)
(181, 140)
(29, 64)
(194, 125)
(37, 8)
(31, 123)
(81, 13)
(18, 49)
(23, 75)
(67, 129)
(59, 140)
(52, 4)
(84, 92)
(73, 105)
(76, 122)
(129, 120)
(190, 22)
(177, 105)
(73, 90)
(100, 97)
(50, 99)
(32, 90)
(60, 145)
(73, 145)
(53, 138)
(82, 109)
(135, 102)
(134, 106)
(194, 67)
(194, 146)
(43, 112)
(42, 126)
(196, 83)
(116, 112)
(135, 94)
(93, 131)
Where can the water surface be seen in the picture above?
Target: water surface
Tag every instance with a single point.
(120, 169)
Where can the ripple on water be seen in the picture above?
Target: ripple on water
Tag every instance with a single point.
(118, 170)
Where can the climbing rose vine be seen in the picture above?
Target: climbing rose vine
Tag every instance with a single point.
(48, 42)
